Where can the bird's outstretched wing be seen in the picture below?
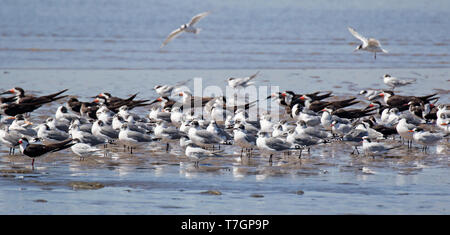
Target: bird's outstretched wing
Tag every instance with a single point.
(357, 35)
(198, 17)
(171, 36)
(254, 75)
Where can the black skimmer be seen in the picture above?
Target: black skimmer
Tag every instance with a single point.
(378, 105)
(318, 105)
(166, 102)
(38, 150)
(385, 130)
(76, 106)
(22, 98)
(89, 110)
(191, 101)
(114, 103)
(13, 109)
(353, 113)
(314, 96)
(401, 102)
(7, 100)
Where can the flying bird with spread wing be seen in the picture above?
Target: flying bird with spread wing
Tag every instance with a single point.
(370, 44)
(189, 27)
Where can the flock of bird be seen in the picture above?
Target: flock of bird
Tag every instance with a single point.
(307, 120)
(304, 121)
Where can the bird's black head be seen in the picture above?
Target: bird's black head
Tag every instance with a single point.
(73, 99)
(19, 117)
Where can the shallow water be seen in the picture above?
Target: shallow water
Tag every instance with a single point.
(328, 180)
(304, 46)
(237, 35)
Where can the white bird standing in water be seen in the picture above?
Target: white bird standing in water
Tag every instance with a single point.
(196, 154)
(394, 82)
(426, 138)
(83, 150)
(371, 44)
(189, 27)
(374, 148)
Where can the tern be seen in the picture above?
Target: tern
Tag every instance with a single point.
(189, 27)
(9, 138)
(340, 128)
(167, 133)
(401, 102)
(370, 94)
(166, 90)
(48, 135)
(82, 149)
(237, 83)
(201, 137)
(426, 138)
(104, 131)
(84, 137)
(131, 138)
(405, 130)
(371, 44)
(22, 126)
(443, 122)
(302, 140)
(354, 137)
(272, 145)
(303, 129)
(62, 125)
(197, 154)
(243, 139)
(62, 114)
(394, 82)
(215, 129)
(374, 148)
(157, 114)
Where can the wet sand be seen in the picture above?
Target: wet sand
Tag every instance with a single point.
(328, 180)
